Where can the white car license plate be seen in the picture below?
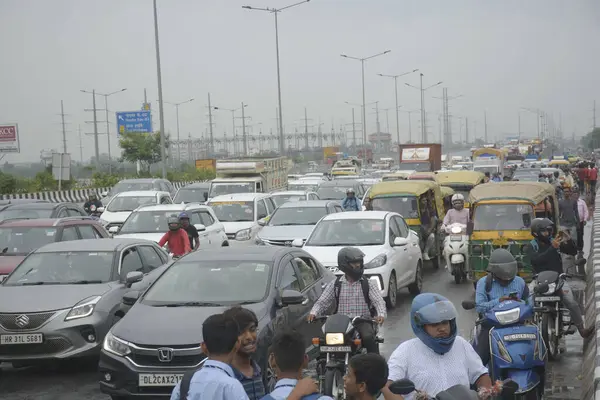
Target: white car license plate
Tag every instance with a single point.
(27, 338)
(548, 298)
(335, 349)
(159, 379)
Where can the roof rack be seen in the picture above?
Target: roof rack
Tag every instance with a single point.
(74, 218)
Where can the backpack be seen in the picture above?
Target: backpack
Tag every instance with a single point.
(364, 283)
(184, 388)
(313, 396)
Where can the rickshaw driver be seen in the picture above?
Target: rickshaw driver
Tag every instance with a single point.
(428, 225)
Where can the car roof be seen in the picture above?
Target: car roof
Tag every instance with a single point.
(339, 182)
(307, 203)
(37, 206)
(250, 253)
(239, 197)
(44, 222)
(290, 192)
(171, 207)
(140, 193)
(21, 201)
(109, 244)
(357, 215)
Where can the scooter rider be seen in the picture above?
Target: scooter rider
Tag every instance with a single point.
(176, 238)
(437, 358)
(501, 284)
(353, 295)
(458, 214)
(544, 254)
(351, 203)
(93, 204)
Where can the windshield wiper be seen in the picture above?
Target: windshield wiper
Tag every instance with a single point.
(332, 244)
(191, 304)
(240, 220)
(37, 283)
(291, 223)
(82, 282)
(367, 244)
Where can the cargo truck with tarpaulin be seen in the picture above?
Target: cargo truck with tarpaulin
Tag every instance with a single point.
(249, 176)
(490, 160)
(425, 157)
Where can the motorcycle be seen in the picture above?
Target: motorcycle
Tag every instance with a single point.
(340, 343)
(517, 351)
(505, 388)
(456, 249)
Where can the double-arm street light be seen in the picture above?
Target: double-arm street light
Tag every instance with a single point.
(232, 111)
(108, 125)
(177, 117)
(364, 105)
(276, 11)
(423, 118)
(395, 77)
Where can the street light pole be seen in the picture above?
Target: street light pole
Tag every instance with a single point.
(96, 145)
(108, 125)
(177, 117)
(423, 114)
(276, 11)
(160, 98)
(232, 111)
(395, 77)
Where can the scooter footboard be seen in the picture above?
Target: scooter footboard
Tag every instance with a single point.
(527, 379)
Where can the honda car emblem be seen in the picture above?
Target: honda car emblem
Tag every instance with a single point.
(22, 321)
(165, 354)
(288, 244)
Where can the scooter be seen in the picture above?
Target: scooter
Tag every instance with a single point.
(458, 392)
(517, 350)
(456, 249)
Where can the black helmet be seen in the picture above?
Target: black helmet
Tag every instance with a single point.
(538, 225)
(503, 265)
(349, 255)
(174, 223)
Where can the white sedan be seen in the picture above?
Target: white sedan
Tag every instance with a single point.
(120, 207)
(393, 257)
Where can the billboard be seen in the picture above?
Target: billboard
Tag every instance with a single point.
(9, 138)
(209, 163)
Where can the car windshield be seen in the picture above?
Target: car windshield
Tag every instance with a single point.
(218, 189)
(148, 222)
(129, 203)
(531, 177)
(195, 195)
(131, 187)
(15, 213)
(502, 217)
(63, 268)
(407, 206)
(348, 232)
(308, 187)
(233, 211)
(218, 282)
(284, 198)
(22, 240)
(297, 216)
(332, 192)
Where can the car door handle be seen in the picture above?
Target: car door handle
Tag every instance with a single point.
(323, 285)
(305, 302)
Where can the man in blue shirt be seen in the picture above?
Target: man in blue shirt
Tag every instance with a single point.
(351, 203)
(501, 284)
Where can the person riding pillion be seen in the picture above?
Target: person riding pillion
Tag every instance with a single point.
(458, 214)
(501, 284)
(353, 295)
(191, 230)
(351, 202)
(93, 204)
(544, 252)
(176, 238)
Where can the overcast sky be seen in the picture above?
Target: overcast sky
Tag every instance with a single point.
(500, 55)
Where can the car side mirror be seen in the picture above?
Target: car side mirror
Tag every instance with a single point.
(133, 277)
(468, 304)
(297, 243)
(470, 227)
(402, 387)
(200, 227)
(205, 194)
(130, 298)
(400, 241)
(100, 209)
(104, 194)
(291, 297)
(113, 229)
(262, 222)
(262, 216)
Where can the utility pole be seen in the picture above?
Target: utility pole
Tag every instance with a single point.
(467, 130)
(245, 140)
(378, 126)
(210, 127)
(485, 127)
(80, 145)
(353, 129)
(594, 127)
(423, 127)
(64, 130)
(306, 144)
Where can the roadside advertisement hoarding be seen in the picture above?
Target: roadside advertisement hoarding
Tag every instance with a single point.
(209, 163)
(9, 138)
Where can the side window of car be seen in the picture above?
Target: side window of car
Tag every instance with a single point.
(100, 232)
(394, 230)
(69, 233)
(165, 200)
(87, 232)
(261, 209)
(62, 213)
(338, 208)
(151, 258)
(195, 218)
(289, 280)
(270, 205)
(313, 196)
(404, 231)
(131, 261)
(73, 212)
(331, 209)
(307, 271)
(207, 219)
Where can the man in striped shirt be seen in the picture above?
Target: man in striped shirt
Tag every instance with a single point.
(500, 285)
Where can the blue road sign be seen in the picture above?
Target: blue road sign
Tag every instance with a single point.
(134, 121)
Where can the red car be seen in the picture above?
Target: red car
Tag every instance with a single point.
(18, 237)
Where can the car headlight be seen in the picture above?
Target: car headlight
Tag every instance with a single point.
(377, 262)
(83, 309)
(509, 316)
(551, 288)
(334, 338)
(244, 234)
(116, 346)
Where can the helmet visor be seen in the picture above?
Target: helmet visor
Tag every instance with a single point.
(436, 312)
(506, 271)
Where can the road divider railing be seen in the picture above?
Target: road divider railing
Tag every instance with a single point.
(591, 358)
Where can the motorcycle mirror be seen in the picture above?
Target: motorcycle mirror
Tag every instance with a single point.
(509, 387)
(468, 304)
(541, 288)
(402, 387)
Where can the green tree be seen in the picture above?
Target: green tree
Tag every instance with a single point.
(142, 147)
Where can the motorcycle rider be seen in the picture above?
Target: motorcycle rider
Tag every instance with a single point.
(91, 206)
(501, 284)
(176, 238)
(437, 358)
(351, 203)
(191, 230)
(544, 254)
(353, 295)
(458, 214)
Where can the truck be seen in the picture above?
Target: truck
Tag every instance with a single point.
(251, 175)
(420, 157)
(489, 159)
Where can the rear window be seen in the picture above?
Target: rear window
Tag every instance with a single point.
(22, 240)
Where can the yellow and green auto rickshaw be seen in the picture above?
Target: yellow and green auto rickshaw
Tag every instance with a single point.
(501, 215)
(447, 193)
(422, 176)
(396, 176)
(461, 181)
(422, 206)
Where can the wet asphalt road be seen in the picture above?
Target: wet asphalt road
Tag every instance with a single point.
(80, 381)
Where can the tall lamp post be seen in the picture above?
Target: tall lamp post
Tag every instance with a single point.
(395, 77)
(160, 95)
(108, 125)
(177, 117)
(276, 11)
(423, 118)
(362, 106)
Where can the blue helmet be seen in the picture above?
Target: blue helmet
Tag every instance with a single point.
(432, 308)
(184, 215)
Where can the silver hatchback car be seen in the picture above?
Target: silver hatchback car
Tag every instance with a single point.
(62, 299)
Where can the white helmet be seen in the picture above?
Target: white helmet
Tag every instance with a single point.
(458, 197)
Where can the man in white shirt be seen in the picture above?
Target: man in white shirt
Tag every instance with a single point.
(584, 216)
(458, 214)
(437, 358)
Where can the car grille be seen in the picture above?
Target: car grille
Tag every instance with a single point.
(16, 322)
(287, 243)
(182, 356)
(50, 346)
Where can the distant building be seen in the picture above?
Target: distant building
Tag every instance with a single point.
(381, 142)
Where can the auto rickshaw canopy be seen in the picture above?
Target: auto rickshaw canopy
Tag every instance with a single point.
(422, 176)
(532, 192)
(446, 191)
(408, 188)
(465, 178)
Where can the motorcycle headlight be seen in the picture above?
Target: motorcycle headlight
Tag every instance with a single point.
(244, 234)
(509, 316)
(116, 346)
(551, 288)
(377, 262)
(83, 309)
(334, 338)
(456, 230)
